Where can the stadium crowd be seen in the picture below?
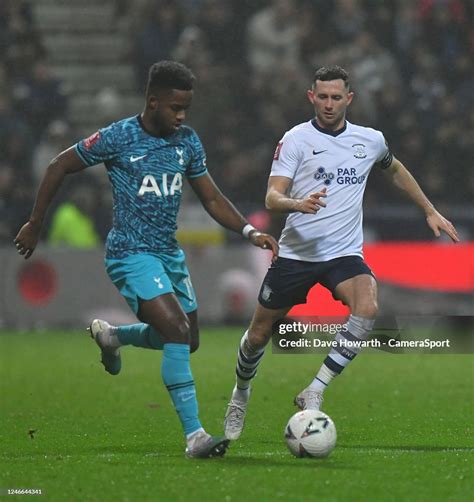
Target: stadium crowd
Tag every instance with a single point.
(409, 62)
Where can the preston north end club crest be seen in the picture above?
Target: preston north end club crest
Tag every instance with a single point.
(359, 152)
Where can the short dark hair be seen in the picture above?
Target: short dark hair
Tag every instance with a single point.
(166, 75)
(331, 73)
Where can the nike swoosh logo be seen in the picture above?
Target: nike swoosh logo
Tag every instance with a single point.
(317, 153)
(187, 398)
(134, 159)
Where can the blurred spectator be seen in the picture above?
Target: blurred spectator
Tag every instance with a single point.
(407, 32)
(380, 18)
(20, 43)
(40, 98)
(16, 140)
(410, 64)
(156, 37)
(349, 19)
(372, 69)
(108, 105)
(273, 39)
(56, 139)
(243, 178)
(317, 35)
(445, 27)
(389, 104)
(4, 87)
(223, 30)
(192, 48)
(15, 201)
(72, 224)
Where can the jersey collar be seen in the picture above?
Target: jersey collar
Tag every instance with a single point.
(327, 131)
(168, 139)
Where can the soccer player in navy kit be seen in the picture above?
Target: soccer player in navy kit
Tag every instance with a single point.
(318, 176)
(147, 157)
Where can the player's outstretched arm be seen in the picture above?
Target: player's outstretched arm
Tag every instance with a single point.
(65, 163)
(225, 213)
(404, 180)
(277, 199)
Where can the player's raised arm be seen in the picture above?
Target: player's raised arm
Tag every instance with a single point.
(67, 162)
(277, 199)
(403, 179)
(226, 214)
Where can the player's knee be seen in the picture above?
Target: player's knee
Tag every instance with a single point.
(260, 331)
(368, 310)
(180, 331)
(194, 343)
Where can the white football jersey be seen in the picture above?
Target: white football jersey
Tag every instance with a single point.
(315, 158)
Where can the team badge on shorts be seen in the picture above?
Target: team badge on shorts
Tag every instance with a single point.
(266, 293)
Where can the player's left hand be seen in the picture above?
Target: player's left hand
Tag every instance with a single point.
(264, 241)
(27, 239)
(437, 222)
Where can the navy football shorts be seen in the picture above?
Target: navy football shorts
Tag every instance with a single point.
(288, 282)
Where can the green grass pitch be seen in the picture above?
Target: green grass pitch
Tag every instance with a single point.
(404, 425)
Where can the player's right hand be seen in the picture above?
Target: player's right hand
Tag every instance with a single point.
(313, 203)
(27, 239)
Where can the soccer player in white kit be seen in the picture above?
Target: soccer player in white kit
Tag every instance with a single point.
(318, 176)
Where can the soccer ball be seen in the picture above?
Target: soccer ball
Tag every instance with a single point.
(310, 433)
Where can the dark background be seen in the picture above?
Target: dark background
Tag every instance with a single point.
(67, 68)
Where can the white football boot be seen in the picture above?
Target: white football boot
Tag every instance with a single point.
(309, 399)
(103, 334)
(235, 416)
(203, 445)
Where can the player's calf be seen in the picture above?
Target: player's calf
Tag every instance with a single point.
(248, 359)
(351, 341)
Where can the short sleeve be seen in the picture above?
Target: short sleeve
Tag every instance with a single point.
(100, 147)
(197, 167)
(286, 158)
(384, 155)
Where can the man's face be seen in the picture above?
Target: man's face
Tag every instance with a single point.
(330, 99)
(168, 109)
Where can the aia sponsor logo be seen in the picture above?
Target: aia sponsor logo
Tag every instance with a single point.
(91, 140)
(161, 187)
